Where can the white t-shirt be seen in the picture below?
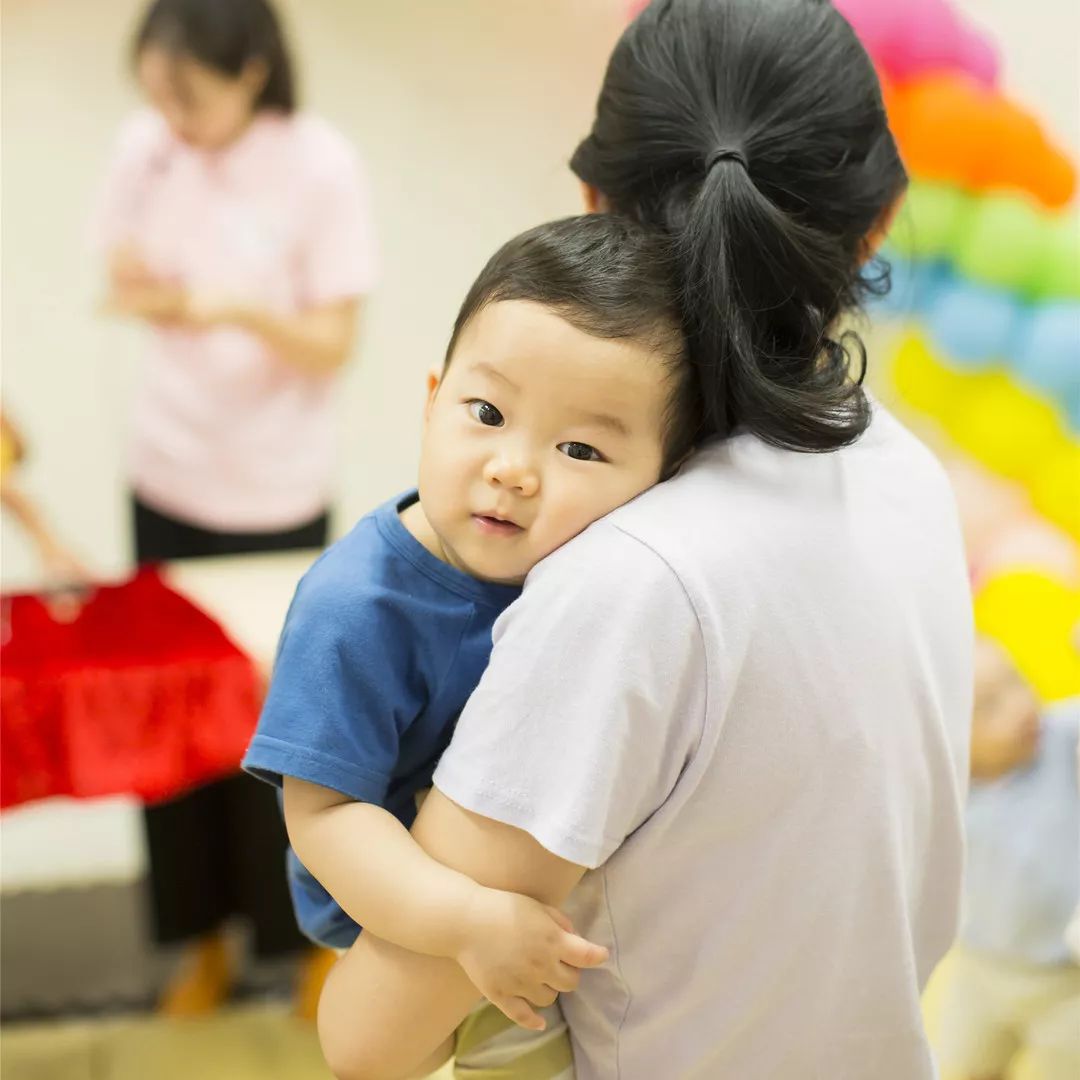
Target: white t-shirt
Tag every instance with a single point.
(743, 702)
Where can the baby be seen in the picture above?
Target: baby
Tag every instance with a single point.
(565, 393)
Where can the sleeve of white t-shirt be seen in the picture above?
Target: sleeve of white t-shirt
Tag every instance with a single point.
(593, 702)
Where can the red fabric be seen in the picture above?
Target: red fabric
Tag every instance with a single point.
(142, 694)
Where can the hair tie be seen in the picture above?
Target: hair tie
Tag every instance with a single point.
(727, 153)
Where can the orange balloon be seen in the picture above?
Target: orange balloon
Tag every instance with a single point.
(951, 128)
(946, 126)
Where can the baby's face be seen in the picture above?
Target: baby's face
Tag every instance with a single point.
(1005, 725)
(535, 431)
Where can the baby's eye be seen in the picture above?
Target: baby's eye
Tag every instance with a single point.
(580, 451)
(486, 413)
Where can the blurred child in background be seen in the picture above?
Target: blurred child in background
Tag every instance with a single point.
(1014, 984)
(59, 565)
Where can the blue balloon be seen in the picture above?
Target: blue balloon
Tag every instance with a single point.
(912, 282)
(972, 324)
(1047, 353)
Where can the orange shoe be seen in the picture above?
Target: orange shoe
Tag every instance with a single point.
(314, 968)
(202, 982)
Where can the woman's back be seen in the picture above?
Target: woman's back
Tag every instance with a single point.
(791, 872)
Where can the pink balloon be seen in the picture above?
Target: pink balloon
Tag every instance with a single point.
(875, 23)
(920, 35)
(977, 56)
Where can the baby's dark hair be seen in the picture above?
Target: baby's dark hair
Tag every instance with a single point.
(224, 35)
(753, 133)
(610, 277)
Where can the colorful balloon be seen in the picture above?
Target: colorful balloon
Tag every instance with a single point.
(1047, 355)
(920, 35)
(1055, 489)
(1009, 431)
(1004, 244)
(922, 382)
(972, 325)
(976, 327)
(1004, 240)
(1058, 274)
(933, 221)
(1036, 619)
(912, 285)
(952, 129)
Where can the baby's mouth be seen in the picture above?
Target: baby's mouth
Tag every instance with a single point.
(496, 526)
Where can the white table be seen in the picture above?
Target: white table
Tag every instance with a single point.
(248, 594)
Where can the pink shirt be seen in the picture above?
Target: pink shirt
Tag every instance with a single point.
(227, 436)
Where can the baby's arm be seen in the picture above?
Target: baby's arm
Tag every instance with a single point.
(385, 1011)
(364, 857)
(512, 947)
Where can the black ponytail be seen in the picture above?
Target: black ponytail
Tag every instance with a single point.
(753, 133)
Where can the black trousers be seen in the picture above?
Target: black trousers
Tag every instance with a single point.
(219, 851)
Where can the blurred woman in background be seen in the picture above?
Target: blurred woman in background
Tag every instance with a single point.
(238, 229)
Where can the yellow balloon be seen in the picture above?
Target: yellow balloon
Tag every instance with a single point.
(1055, 491)
(921, 380)
(1036, 619)
(1008, 429)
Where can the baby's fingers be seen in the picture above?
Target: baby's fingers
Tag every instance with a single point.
(561, 918)
(564, 978)
(580, 953)
(521, 1012)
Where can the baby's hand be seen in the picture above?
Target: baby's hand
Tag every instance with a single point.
(519, 951)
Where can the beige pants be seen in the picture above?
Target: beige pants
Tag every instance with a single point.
(993, 1009)
(488, 1046)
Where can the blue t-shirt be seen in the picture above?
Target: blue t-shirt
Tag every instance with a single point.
(382, 646)
(1023, 851)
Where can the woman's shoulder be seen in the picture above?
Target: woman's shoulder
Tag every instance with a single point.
(321, 146)
(614, 556)
(142, 133)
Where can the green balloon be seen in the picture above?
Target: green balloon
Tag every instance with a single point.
(1006, 244)
(1003, 240)
(933, 218)
(1059, 275)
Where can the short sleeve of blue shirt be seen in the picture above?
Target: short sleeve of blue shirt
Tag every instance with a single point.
(382, 645)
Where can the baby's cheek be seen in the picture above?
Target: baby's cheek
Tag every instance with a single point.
(572, 518)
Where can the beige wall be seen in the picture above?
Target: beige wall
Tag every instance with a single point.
(466, 111)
